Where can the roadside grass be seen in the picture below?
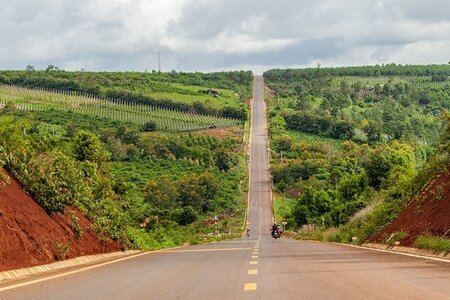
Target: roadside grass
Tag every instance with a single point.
(283, 207)
(194, 234)
(433, 243)
(395, 237)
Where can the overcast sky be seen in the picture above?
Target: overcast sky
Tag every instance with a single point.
(211, 35)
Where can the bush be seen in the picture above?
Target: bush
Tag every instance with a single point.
(395, 237)
(61, 249)
(75, 225)
(433, 243)
(4, 180)
(149, 126)
(184, 216)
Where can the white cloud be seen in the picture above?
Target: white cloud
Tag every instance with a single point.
(221, 34)
(226, 43)
(231, 43)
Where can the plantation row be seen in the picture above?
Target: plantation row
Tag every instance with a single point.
(124, 111)
(415, 81)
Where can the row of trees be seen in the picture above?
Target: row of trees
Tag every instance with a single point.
(320, 125)
(440, 72)
(98, 85)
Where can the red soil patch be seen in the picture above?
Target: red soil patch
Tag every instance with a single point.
(222, 133)
(428, 213)
(28, 235)
(271, 92)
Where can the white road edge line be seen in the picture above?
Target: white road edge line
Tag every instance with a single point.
(249, 167)
(398, 253)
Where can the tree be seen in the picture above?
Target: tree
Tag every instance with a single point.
(301, 214)
(184, 216)
(51, 68)
(313, 204)
(439, 77)
(378, 89)
(384, 158)
(283, 143)
(149, 126)
(342, 130)
(378, 169)
(345, 88)
(357, 86)
(30, 68)
(88, 147)
(198, 191)
(224, 160)
(234, 113)
(162, 193)
(351, 187)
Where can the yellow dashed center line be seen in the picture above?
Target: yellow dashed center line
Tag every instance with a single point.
(254, 256)
(252, 272)
(254, 262)
(250, 287)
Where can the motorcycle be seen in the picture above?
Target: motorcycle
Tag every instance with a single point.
(276, 234)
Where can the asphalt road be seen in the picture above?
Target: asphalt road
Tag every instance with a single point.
(256, 267)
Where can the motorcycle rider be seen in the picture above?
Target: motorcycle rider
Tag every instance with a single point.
(275, 229)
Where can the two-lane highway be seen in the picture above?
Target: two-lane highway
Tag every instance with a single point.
(257, 267)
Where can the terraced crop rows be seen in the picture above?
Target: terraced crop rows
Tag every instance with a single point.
(165, 119)
(415, 81)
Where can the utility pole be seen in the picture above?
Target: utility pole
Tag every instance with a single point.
(159, 61)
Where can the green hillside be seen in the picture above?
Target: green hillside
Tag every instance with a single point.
(164, 119)
(348, 143)
(149, 172)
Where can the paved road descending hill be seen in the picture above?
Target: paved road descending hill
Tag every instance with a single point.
(257, 267)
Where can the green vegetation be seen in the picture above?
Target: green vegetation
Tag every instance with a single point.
(433, 243)
(148, 117)
(395, 238)
(354, 145)
(283, 210)
(4, 180)
(188, 92)
(144, 188)
(61, 249)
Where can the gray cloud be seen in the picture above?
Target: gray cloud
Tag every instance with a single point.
(208, 35)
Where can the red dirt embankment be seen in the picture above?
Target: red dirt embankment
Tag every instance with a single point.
(30, 237)
(427, 214)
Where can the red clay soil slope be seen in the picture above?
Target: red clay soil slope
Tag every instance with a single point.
(30, 237)
(427, 214)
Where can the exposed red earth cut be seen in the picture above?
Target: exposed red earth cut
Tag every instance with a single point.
(29, 236)
(427, 214)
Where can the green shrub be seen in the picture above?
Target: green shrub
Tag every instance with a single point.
(4, 180)
(433, 243)
(61, 249)
(75, 225)
(395, 237)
